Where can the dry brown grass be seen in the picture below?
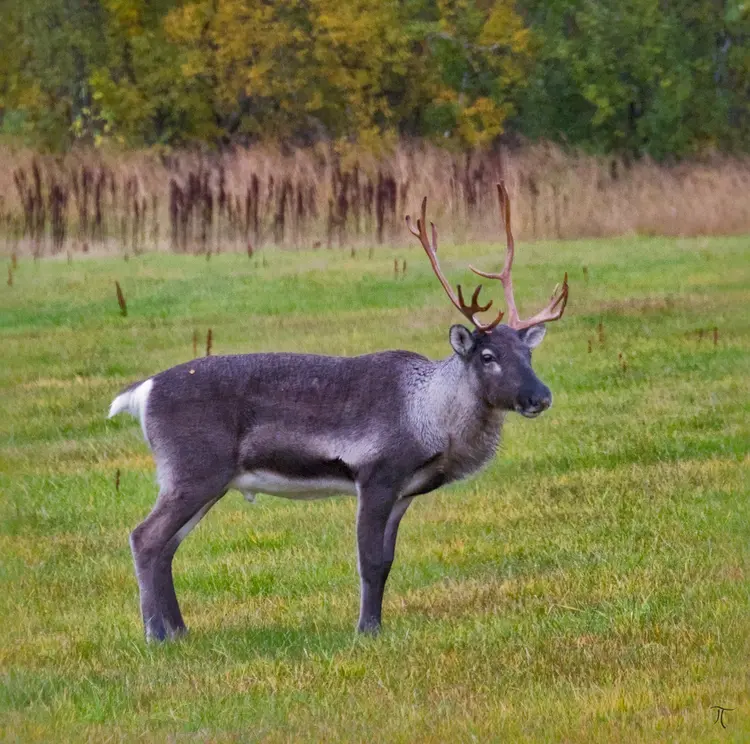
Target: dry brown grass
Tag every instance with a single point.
(246, 199)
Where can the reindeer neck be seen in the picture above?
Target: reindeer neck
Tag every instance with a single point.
(447, 408)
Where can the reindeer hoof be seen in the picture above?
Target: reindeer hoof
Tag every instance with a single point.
(156, 633)
(369, 627)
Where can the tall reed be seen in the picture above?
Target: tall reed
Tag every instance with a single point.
(309, 197)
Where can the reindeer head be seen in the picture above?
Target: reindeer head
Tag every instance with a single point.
(500, 365)
(499, 356)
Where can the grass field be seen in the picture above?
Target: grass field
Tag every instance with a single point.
(592, 584)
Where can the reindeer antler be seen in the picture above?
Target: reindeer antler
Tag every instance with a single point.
(556, 306)
(430, 248)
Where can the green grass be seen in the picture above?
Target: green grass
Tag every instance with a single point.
(591, 584)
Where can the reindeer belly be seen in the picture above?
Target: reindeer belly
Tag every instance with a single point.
(296, 464)
(299, 486)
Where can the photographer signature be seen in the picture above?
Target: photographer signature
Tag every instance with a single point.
(720, 711)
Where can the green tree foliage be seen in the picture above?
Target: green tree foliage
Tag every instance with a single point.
(288, 69)
(476, 57)
(657, 77)
(47, 49)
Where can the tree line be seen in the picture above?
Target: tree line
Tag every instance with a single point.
(659, 78)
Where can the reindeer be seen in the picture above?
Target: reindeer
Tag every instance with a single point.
(385, 427)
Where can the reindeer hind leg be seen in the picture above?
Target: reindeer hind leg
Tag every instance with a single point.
(154, 542)
(174, 624)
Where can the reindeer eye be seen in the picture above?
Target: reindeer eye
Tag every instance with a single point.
(487, 358)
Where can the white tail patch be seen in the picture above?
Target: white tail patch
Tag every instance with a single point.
(134, 402)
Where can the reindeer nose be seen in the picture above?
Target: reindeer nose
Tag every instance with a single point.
(533, 402)
(545, 399)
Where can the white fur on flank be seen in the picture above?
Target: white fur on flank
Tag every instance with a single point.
(352, 452)
(134, 402)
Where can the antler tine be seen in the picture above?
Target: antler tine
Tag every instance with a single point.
(471, 310)
(556, 306)
(420, 222)
(430, 248)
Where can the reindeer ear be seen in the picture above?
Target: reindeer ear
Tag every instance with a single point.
(461, 340)
(533, 336)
